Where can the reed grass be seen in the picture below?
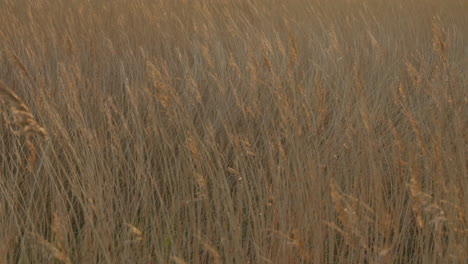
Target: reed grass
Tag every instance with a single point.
(226, 131)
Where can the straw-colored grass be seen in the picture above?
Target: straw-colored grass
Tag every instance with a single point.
(222, 131)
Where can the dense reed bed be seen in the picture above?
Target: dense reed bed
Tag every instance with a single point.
(222, 131)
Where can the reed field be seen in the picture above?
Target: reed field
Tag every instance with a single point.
(234, 131)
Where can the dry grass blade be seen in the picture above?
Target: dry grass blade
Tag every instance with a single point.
(21, 68)
(6, 244)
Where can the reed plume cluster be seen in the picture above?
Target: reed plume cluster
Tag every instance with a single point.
(223, 131)
(23, 120)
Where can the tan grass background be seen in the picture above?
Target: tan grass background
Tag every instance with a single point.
(222, 131)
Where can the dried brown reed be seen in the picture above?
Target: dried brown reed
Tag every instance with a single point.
(234, 131)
